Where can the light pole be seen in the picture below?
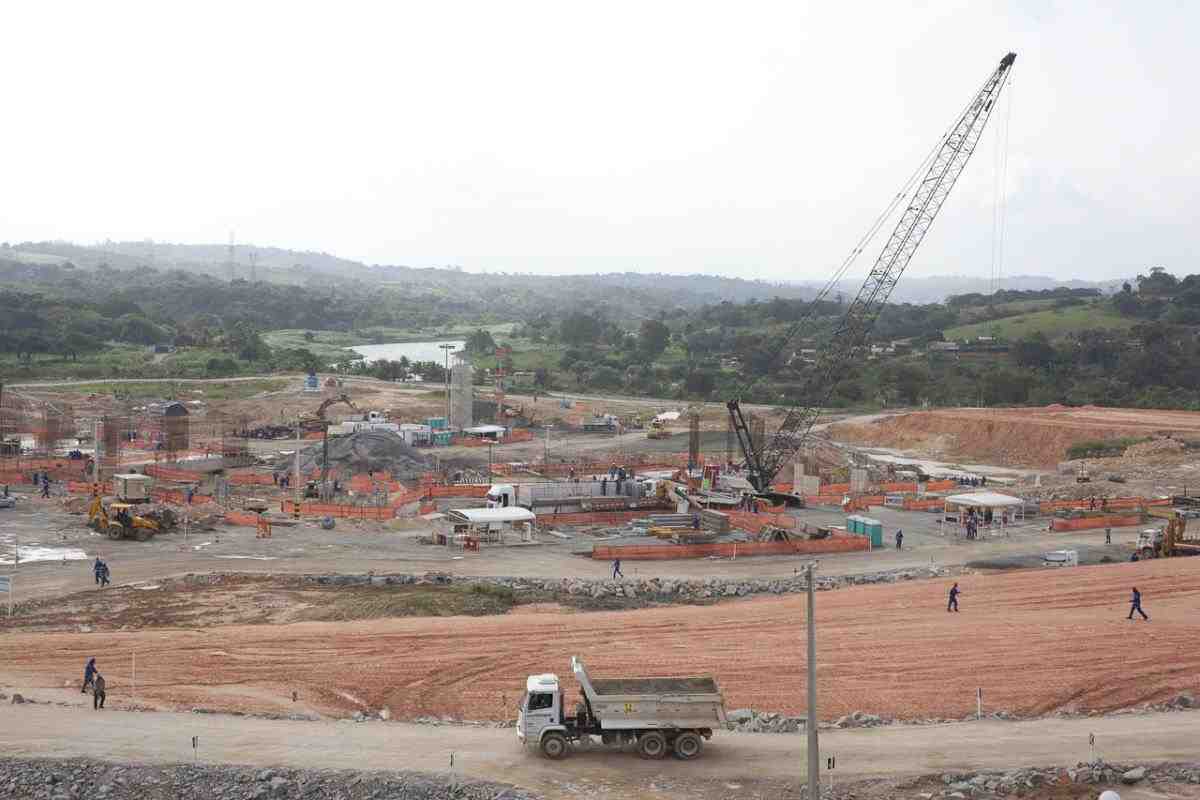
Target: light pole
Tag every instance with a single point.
(814, 754)
(446, 348)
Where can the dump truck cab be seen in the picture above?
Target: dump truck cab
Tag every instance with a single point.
(501, 495)
(541, 708)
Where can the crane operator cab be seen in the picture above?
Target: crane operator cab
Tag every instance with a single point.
(541, 707)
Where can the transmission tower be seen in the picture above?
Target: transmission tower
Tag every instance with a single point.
(229, 257)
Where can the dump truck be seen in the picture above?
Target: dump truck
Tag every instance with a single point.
(657, 715)
(1168, 542)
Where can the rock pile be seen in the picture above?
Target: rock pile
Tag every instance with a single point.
(362, 452)
(1154, 447)
(69, 780)
(745, 720)
(649, 589)
(1002, 783)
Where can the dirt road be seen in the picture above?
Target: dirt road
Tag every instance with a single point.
(1035, 641)
(731, 760)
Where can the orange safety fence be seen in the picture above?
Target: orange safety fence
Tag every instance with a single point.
(940, 486)
(459, 490)
(591, 518)
(913, 504)
(1086, 523)
(754, 523)
(652, 552)
(247, 478)
(1114, 504)
(172, 473)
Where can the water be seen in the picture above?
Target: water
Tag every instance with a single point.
(413, 351)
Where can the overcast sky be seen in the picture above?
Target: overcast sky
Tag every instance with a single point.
(754, 139)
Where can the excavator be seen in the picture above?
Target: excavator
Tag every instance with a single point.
(925, 191)
(115, 520)
(317, 421)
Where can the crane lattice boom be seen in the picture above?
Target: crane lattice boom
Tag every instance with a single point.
(850, 334)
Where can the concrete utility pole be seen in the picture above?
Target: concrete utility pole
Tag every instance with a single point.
(814, 752)
(296, 478)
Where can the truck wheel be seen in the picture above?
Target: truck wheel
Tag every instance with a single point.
(554, 746)
(115, 531)
(652, 745)
(1149, 553)
(688, 746)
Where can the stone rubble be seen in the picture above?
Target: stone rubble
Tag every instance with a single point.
(1017, 782)
(663, 590)
(75, 779)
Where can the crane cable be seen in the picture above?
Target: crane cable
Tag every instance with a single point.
(866, 238)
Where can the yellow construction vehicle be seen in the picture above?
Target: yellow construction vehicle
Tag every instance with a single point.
(114, 519)
(1169, 541)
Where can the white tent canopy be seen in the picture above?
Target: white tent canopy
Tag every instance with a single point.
(984, 500)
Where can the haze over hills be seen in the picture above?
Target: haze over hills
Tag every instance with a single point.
(281, 265)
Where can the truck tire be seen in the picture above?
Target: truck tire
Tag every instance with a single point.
(652, 745)
(688, 746)
(554, 746)
(1149, 553)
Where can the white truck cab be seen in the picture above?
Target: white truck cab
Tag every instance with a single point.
(539, 709)
(501, 495)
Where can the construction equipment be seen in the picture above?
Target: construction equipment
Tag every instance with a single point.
(317, 421)
(660, 715)
(925, 198)
(115, 520)
(1083, 475)
(1168, 542)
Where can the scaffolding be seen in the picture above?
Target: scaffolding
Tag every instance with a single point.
(114, 432)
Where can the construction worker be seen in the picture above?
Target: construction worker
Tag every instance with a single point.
(1108, 535)
(899, 540)
(89, 674)
(98, 692)
(695, 522)
(189, 493)
(45, 485)
(954, 593)
(617, 569)
(1136, 605)
(98, 569)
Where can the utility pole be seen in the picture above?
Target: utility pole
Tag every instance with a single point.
(296, 477)
(814, 752)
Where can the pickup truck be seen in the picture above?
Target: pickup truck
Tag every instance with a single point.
(658, 715)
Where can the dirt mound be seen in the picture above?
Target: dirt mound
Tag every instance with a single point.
(1154, 447)
(365, 451)
(1035, 437)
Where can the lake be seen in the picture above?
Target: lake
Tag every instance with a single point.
(413, 351)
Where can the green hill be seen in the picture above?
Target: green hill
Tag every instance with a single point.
(1055, 323)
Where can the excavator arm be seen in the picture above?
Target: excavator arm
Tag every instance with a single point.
(763, 460)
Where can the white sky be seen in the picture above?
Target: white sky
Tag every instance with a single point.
(754, 139)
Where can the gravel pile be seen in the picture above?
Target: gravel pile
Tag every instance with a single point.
(362, 452)
(1006, 783)
(1154, 447)
(74, 779)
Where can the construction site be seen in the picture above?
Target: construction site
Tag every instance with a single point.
(430, 559)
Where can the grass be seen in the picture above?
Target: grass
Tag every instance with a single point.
(1055, 323)
(217, 390)
(1103, 448)
(972, 314)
